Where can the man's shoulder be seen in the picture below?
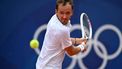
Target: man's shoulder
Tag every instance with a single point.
(53, 18)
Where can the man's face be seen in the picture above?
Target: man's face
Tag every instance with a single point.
(64, 13)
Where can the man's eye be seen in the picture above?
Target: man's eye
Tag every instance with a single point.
(68, 13)
(61, 13)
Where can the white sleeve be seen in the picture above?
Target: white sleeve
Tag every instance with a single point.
(65, 39)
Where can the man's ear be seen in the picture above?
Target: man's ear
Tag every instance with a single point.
(72, 13)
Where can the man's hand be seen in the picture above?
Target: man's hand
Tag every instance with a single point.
(81, 40)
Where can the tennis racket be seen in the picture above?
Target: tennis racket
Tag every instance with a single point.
(86, 26)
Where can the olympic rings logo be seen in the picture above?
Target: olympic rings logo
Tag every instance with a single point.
(94, 42)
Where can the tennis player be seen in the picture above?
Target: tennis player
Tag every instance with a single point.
(57, 39)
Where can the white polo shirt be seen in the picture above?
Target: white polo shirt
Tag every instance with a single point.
(57, 38)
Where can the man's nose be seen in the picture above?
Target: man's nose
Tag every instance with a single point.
(64, 16)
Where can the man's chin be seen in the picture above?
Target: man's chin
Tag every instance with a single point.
(65, 22)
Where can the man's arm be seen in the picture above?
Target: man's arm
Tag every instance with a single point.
(77, 41)
(73, 50)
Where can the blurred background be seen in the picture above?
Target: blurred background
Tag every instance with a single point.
(19, 19)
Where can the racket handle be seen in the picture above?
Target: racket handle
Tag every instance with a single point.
(86, 37)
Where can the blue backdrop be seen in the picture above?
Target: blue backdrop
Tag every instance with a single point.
(19, 19)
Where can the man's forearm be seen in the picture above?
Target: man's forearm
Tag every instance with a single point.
(77, 41)
(73, 41)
